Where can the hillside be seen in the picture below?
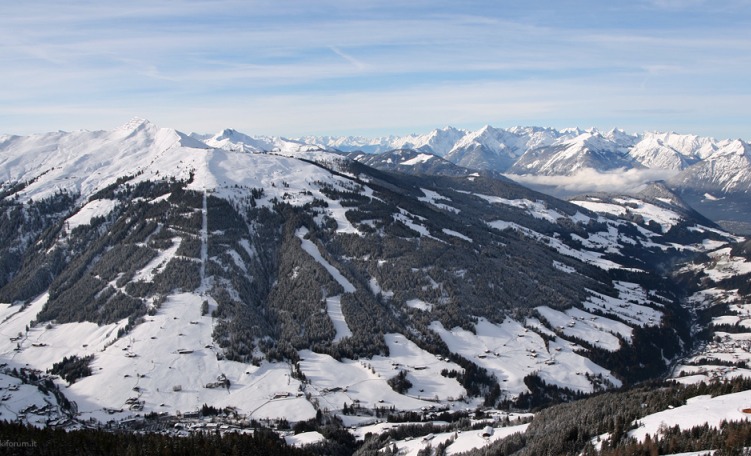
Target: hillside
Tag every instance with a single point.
(148, 272)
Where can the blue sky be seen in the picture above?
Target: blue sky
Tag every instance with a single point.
(371, 68)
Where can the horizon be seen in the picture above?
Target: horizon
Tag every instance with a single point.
(208, 134)
(376, 68)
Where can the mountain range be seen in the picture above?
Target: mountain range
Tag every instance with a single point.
(154, 278)
(714, 176)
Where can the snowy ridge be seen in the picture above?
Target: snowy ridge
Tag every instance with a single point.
(456, 289)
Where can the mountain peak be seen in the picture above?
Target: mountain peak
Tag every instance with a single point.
(134, 124)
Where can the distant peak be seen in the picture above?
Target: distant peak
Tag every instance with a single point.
(134, 124)
(232, 135)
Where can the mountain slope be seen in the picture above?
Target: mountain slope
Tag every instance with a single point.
(287, 282)
(712, 175)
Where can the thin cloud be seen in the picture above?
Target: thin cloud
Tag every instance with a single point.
(357, 64)
(536, 64)
(592, 181)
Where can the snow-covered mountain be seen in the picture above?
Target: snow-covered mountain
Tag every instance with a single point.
(688, 162)
(144, 272)
(570, 161)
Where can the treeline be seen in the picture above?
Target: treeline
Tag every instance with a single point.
(570, 428)
(729, 438)
(22, 439)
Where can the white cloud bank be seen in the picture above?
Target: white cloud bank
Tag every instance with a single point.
(591, 181)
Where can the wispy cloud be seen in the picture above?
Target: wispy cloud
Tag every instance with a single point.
(355, 63)
(474, 62)
(591, 181)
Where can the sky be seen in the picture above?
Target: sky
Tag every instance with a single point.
(374, 68)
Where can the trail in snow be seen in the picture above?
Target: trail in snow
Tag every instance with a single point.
(333, 303)
(312, 250)
(334, 309)
(204, 242)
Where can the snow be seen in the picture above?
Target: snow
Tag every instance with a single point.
(421, 158)
(457, 234)
(596, 330)
(650, 212)
(710, 197)
(304, 438)
(726, 265)
(511, 352)
(155, 266)
(23, 402)
(632, 305)
(409, 220)
(333, 383)
(563, 268)
(594, 258)
(334, 310)
(419, 304)
(333, 303)
(604, 208)
(709, 361)
(537, 209)
(173, 347)
(434, 198)
(375, 287)
(697, 411)
(313, 251)
(462, 441)
(96, 208)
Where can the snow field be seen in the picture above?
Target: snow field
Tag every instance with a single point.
(726, 348)
(596, 330)
(375, 288)
(304, 438)
(434, 198)
(420, 158)
(96, 208)
(44, 345)
(511, 351)
(334, 383)
(594, 258)
(697, 411)
(158, 264)
(17, 401)
(419, 304)
(171, 358)
(462, 441)
(726, 266)
(457, 234)
(625, 305)
(334, 310)
(409, 220)
(537, 209)
(312, 250)
(563, 268)
(173, 348)
(651, 213)
(609, 240)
